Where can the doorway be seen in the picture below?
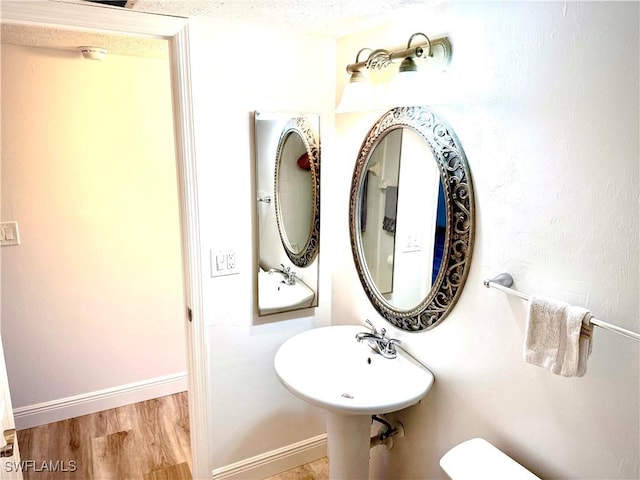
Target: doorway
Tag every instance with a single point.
(175, 31)
(89, 176)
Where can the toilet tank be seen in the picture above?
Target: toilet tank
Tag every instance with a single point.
(477, 459)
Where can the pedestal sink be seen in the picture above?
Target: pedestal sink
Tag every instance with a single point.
(327, 367)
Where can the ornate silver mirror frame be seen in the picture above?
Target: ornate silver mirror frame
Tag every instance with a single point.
(455, 178)
(300, 127)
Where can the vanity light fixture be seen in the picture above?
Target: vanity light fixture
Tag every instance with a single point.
(405, 88)
(359, 93)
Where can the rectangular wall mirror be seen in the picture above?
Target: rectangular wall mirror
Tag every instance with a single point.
(287, 150)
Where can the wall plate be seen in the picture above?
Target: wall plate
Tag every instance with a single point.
(9, 234)
(223, 262)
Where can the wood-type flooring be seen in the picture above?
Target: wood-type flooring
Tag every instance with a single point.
(317, 470)
(143, 441)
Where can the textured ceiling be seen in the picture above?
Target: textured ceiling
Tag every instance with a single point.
(332, 18)
(70, 40)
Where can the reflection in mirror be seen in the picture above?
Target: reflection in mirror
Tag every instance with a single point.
(288, 210)
(403, 221)
(411, 217)
(293, 192)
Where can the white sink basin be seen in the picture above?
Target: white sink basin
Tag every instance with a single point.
(327, 367)
(275, 296)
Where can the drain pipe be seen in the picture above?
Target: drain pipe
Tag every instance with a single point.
(386, 433)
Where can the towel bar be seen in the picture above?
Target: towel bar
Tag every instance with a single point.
(503, 281)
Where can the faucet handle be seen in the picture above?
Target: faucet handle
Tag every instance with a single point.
(373, 328)
(390, 347)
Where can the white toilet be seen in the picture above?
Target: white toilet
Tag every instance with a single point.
(477, 459)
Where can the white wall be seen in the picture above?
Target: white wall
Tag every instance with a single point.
(547, 112)
(92, 298)
(239, 69)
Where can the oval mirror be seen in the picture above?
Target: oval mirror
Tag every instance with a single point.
(411, 217)
(297, 191)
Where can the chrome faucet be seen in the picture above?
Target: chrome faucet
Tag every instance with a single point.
(287, 273)
(378, 342)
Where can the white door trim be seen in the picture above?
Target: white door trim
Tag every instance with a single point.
(56, 14)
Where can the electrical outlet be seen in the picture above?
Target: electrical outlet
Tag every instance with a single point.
(412, 243)
(231, 260)
(9, 234)
(223, 262)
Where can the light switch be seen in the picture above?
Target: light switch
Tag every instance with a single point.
(9, 234)
(221, 261)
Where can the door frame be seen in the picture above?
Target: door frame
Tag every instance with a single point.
(100, 19)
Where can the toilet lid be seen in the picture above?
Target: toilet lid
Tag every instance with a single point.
(477, 459)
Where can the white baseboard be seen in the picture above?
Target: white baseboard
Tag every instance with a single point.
(78, 405)
(275, 461)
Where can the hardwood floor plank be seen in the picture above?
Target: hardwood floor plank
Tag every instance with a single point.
(55, 451)
(108, 422)
(156, 451)
(182, 471)
(130, 442)
(174, 427)
(112, 457)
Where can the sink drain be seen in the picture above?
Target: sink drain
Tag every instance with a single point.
(347, 395)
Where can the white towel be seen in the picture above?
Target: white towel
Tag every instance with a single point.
(558, 336)
(586, 344)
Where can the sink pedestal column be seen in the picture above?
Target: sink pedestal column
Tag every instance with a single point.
(348, 439)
